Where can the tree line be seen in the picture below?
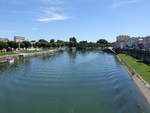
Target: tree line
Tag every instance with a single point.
(42, 43)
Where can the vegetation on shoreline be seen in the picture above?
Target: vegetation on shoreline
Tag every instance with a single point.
(42, 43)
(9, 48)
(7, 53)
(19, 52)
(140, 67)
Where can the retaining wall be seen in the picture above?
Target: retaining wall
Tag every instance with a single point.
(139, 54)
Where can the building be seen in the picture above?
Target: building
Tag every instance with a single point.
(122, 41)
(121, 38)
(140, 43)
(133, 42)
(19, 39)
(126, 42)
(146, 42)
(4, 40)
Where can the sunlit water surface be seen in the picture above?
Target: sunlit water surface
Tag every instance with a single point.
(69, 82)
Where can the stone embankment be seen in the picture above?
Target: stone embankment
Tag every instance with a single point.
(142, 84)
(34, 54)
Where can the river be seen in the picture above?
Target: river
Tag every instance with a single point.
(69, 82)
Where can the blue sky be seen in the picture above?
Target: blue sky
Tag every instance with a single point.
(85, 19)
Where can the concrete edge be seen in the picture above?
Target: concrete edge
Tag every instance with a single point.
(138, 80)
(34, 54)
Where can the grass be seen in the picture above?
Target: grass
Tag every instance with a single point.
(32, 51)
(140, 67)
(8, 53)
(14, 53)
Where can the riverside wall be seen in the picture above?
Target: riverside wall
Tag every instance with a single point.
(138, 80)
(34, 54)
(139, 54)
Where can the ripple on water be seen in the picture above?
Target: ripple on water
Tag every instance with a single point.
(70, 83)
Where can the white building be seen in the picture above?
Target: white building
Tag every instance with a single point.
(19, 39)
(122, 41)
(132, 42)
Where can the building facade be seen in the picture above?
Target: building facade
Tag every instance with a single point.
(146, 42)
(122, 41)
(127, 42)
(132, 43)
(19, 39)
(4, 40)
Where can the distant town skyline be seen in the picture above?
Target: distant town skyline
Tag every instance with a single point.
(86, 20)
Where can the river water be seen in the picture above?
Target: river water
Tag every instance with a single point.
(69, 82)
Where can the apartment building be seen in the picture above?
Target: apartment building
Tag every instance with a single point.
(125, 42)
(122, 41)
(146, 42)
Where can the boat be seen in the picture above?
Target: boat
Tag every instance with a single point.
(10, 60)
(3, 60)
(7, 60)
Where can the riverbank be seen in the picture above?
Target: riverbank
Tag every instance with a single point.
(3, 54)
(139, 72)
(30, 53)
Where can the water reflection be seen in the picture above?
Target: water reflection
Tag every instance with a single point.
(78, 82)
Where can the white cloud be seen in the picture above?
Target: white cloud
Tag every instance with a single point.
(43, 10)
(53, 18)
(119, 3)
(52, 14)
(53, 11)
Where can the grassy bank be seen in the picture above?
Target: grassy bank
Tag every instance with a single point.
(19, 52)
(141, 68)
(8, 53)
(34, 51)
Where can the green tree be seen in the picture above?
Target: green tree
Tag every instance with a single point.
(73, 39)
(52, 40)
(26, 44)
(82, 45)
(72, 42)
(33, 42)
(60, 43)
(13, 44)
(102, 41)
(43, 40)
(43, 44)
(3, 45)
(22, 45)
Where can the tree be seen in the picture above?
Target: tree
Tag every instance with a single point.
(26, 44)
(73, 39)
(43, 40)
(3, 45)
(22, 45)
(13, 44)
(43, 44)
(82, 45)
(33, 42)
(102, 41)
(52, 40)
(60, 43)
(72, 42)
(112, 44)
